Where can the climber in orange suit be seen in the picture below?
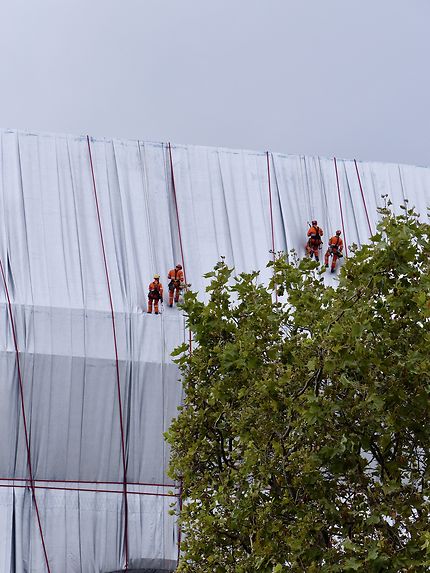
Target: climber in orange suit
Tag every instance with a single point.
(155, 294)
(314, 242)
(176, 279)
(335, 248)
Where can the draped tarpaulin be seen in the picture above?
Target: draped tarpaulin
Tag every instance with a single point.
(52, 242)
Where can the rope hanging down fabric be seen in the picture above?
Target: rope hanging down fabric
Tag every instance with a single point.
(271, 216)
(92, 482)
(86, 490)
(24, 418)
(172, 174)
(362, 196)
(340, 206)
(118, 380)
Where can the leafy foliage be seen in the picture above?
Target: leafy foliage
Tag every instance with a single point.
(303, 441)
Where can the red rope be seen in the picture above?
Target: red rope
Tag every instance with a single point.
(362, 196)
(179, 528)
(118, 380)
(271, 217)
(179, 224)
(80, 489)
(340, 206)
(172, 173)
(24, 418)
(89, 482)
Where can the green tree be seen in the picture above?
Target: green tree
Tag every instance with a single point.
(303, 440)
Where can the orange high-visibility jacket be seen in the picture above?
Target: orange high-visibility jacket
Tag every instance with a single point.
(336, 242)
(155, 286)
(315, 231)
(176, 275)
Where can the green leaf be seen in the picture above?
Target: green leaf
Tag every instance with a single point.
(353, 564)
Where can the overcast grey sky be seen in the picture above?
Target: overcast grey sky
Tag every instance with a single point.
(328, 77)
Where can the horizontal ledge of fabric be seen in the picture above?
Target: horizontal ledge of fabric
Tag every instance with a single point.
(89, 482)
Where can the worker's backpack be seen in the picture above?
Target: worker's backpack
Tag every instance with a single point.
(154, 294)
(316, 237)
(174, 282)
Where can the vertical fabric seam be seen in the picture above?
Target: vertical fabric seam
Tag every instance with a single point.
(271, 218)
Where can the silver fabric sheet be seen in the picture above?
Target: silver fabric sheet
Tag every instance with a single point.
(50, 248)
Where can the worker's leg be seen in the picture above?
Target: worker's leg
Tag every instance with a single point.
(150, 305)
(170, 297)
(176, 294)
(156, 306)
(326, 256)
(333, 262)
(317, 254)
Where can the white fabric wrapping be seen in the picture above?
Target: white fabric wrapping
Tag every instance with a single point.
(50, 248)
